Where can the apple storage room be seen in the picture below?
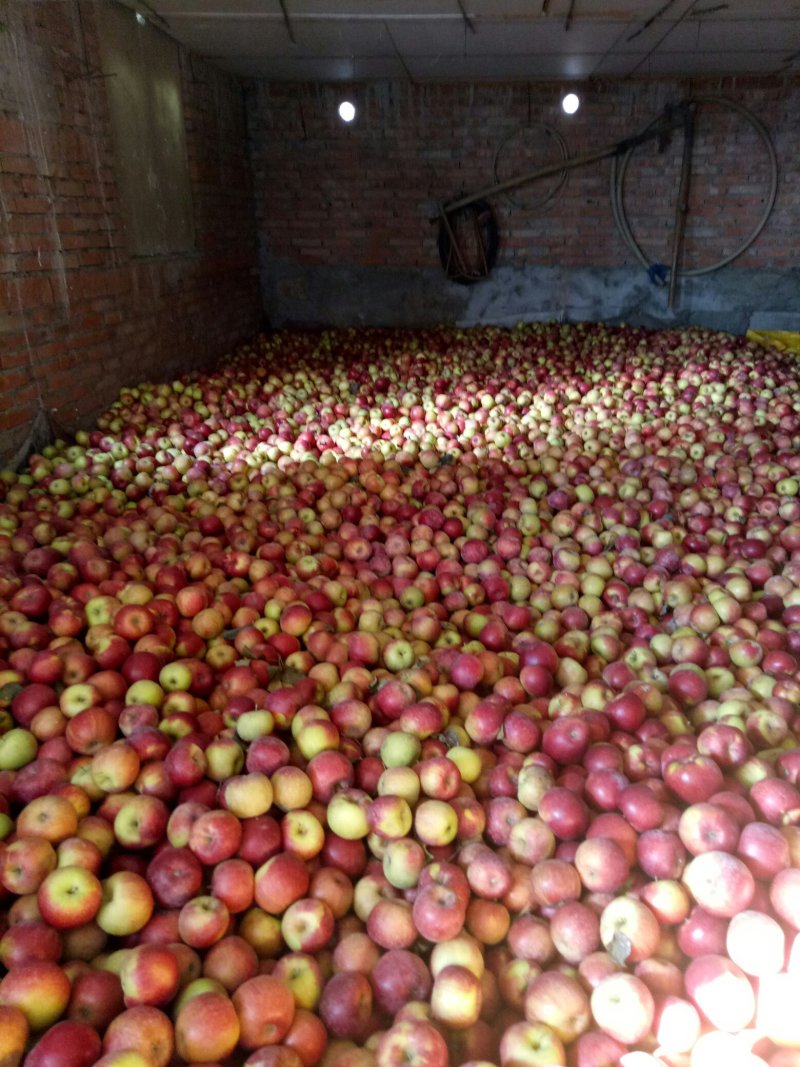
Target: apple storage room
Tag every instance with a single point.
(399, 533)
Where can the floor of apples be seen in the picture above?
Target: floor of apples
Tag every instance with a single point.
(423, 697)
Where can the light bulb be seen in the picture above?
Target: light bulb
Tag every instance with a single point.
(347, 111)
(571, 103)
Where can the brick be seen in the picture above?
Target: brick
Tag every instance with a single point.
(15, 417)
(29, 224)
(34, 291)
(13, 140)
(10, 184)
(14, 380)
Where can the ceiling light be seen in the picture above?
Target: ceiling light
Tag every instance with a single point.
(347, 111)
(570, 103)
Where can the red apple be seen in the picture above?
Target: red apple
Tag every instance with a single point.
(28, 941)
(719, 882)
(763, 848)
(457, 997)
(149, 975)
(784, 895)
(623, 1007)
(721, 991)
(555, 881)
(704, 827)
(141, 822)
(207, 1028)
(175, 876)
(215, 836)
(397, 978)
(661, 854)
(203, 921)
(14, 1031)
(127, 904)
(629, 930)
(281, 881)
(346, 1005)
(67, 1044)
(229, 963)
(677, 1024)
(602, 865)
(233, 882)
(525, 1044)
(560, 1002)
(40, 990)
(756, 943)
(307, 925)
(693, 777)
(438, 913)
(411, 1044)
(265, 1008)
(565, 813)
(575, 931)
(69, 897)
(702, 933)
(96, 999)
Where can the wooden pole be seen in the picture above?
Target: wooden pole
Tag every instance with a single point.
(682, 203)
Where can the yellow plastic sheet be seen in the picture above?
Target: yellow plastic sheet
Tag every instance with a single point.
(781, 339)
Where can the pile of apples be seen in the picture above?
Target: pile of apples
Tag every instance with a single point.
(426, 698)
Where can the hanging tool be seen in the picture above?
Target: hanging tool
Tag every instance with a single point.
(464, 269)
(671, 119)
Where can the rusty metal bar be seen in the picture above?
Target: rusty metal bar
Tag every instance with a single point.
(672, 118)
(540, 172)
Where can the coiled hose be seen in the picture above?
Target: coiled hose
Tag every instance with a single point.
(619, 167)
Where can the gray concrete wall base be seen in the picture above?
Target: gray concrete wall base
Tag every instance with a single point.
(734, 299)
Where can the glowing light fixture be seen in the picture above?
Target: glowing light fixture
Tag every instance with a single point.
(570, 103)
(347, 111)
(140, 18)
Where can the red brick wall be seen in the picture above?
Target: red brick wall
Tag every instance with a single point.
(363, 194)
(78, 315)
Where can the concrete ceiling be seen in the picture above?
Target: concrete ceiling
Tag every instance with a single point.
(485, 40)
